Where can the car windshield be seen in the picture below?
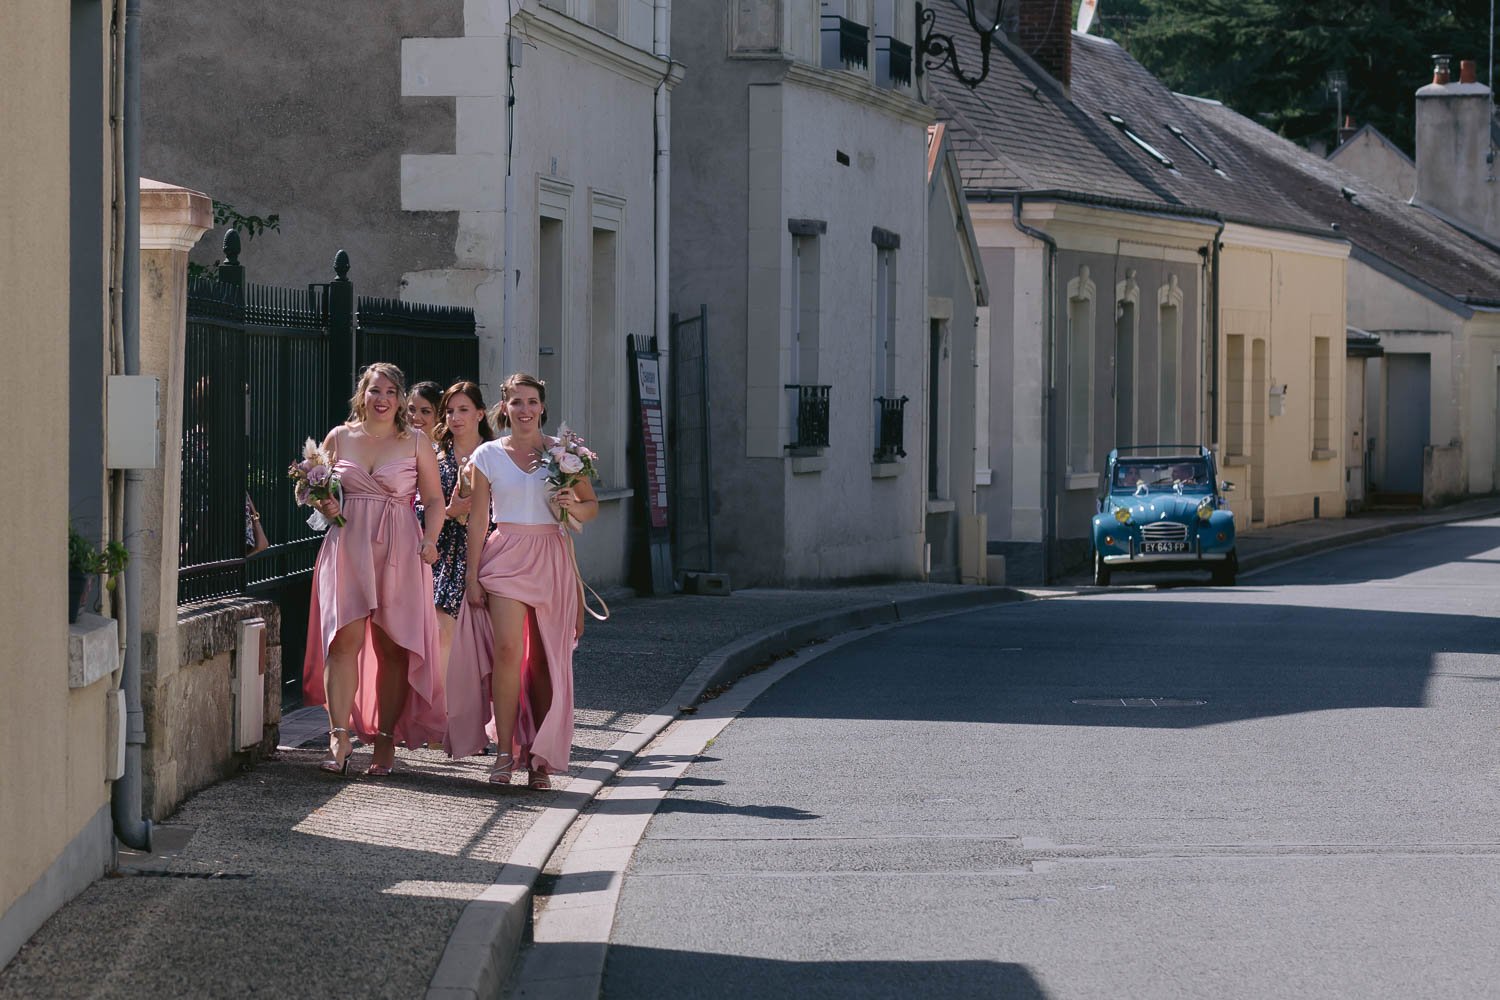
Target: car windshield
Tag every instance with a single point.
(1190, 475)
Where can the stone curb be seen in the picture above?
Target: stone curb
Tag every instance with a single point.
(483, 946)
(1296, 550)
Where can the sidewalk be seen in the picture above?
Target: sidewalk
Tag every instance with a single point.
(288, 882)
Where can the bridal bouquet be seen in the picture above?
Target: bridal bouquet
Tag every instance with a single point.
(315, 479)
(568, 463)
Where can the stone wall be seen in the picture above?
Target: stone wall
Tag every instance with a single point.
(190, 705)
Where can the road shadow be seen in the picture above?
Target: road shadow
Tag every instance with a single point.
(1034, 663)
(633, 972)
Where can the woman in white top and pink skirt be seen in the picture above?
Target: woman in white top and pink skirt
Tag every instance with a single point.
(510, 673)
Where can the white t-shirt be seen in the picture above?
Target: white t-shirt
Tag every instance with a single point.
(516, 497)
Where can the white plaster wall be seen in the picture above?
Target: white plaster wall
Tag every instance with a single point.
(1480, 420)
(842, 522)
(1017, 372)
(1384, 166)
(1408, 322)
(584, 127)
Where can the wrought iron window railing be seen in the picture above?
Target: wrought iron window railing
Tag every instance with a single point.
(811, 430)
(890, 442)
(893, 62)
(849, 39)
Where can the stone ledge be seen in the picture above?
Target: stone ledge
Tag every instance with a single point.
(208, 629)
(93, 650)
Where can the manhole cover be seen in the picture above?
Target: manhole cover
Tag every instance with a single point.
(1140, 702)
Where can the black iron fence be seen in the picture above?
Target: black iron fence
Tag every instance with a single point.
(890, 438)
(435, 343)
(811, 411)
(264, 369)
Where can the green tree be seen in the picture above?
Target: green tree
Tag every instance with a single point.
(1271, 59)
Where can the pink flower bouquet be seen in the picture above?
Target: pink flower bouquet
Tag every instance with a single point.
(314, 477)
(568, 463)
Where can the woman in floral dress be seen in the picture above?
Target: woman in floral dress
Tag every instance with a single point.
(463, 426)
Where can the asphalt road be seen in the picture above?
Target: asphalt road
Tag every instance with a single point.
(932, 812)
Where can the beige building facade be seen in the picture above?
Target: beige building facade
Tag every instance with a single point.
(58, 710)
(1281, 375)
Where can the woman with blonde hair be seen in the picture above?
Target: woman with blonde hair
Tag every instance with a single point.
(372, 638)
(511, 671)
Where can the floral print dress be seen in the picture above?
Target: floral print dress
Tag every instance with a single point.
(452, 544)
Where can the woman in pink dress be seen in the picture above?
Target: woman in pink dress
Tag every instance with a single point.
(511, 668)
(372, 638)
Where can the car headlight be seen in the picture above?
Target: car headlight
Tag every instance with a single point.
(1205, 510)
(1122, 515)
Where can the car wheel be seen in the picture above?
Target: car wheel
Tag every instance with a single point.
(1101, 570)
(1226, 571)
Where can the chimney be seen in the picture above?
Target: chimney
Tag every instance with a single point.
(1452, 146)
(1346, 132)
(1044, 31)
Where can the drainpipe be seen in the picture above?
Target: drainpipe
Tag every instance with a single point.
(662, 125)
(1049, 326)
(1213, 381)
(125, 796)
(508, 277)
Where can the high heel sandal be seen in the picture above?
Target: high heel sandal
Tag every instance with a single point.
(333, 763)
(502, 769)
(383, 770)
(537, 778)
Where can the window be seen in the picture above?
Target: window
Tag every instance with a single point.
(1127, 334)
(893, 65)
(552, 297)
(845, 32)
(1080, 372)
(1322, 395)
(885, 322)
(1234, 395)
(937, 409)
(604, 345)
(806, 316)
(1169, 325)
(606, 16)
(549, 320)
(1196, 150)
(1150, 150)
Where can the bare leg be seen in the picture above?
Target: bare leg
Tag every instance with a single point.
(447, 625)
(508, 621)
(391, 689)
(539, 678)
(340, 681)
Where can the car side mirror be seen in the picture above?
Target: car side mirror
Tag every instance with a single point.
(1226, 487)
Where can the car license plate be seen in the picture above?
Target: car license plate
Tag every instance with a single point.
(1148, 548)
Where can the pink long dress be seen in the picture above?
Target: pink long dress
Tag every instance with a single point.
(527, 559)
(372, 568)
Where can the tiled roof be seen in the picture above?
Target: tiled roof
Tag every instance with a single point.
(1108, 81)
(1018, 132)
(1397, 233)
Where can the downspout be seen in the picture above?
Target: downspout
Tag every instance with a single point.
(1049, 326)
(130, 827)
(662, 189)
(1213, 380)
(508, 276)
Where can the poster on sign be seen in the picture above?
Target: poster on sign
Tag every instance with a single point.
(650, 435)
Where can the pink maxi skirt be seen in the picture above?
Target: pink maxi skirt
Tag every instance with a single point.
(529, 563)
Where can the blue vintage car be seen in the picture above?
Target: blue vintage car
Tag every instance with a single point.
(1164, 509)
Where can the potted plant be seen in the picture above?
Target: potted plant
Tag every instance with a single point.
(86, 562)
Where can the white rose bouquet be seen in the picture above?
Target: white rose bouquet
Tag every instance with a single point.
(568, 463)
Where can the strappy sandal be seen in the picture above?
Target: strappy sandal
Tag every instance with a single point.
(503, 768)
(333, 763)
(382, 770)
(537, 778)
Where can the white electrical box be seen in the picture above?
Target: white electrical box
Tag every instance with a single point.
(249, 684)
(132, 435)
